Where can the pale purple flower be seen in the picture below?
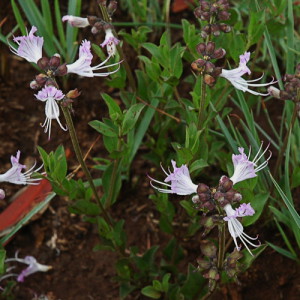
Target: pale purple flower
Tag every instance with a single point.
(244, 168)
(76, 21)
(29, 46)
(82, 66)
(33, 267)
(180, 181)
(50, 95)
(235, 227)
(245, 209)
(235, 77)
(14, 174)
(110, 42)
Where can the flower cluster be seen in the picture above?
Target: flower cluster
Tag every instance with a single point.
(213, 13)
(291, 87)
(33, 267)
(224, 196)
(30, 48)
(204, 66)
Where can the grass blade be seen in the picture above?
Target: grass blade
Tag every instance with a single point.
(287, 202)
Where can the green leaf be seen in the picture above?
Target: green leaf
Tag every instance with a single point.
(149, 291)
(193, 285)
(103, 128)
(258, 202)
(85, 207)
(2, 260)
(113, 107)
(131, 117)
(282, 251)
(197, 165)
(248, 259)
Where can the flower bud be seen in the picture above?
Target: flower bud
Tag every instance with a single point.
(212, 274)
(209, 80)
(208, 248)
(202, 188)
(223, 15)
(219, 53)
(41, 79)
(201, 48)
(43, 63)
(209, 67)
(34, 85)
(273, 91)
(92, 20)
(203, 264)
(112, 7)
(210, 48)
(225, 183)
(61, 70)
(224, 27)
(73, 94)
(54, 61)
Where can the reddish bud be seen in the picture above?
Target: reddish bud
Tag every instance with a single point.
(43, 63)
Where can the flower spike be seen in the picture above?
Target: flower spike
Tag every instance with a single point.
(50, 95)
(180, 179)
(82, 66)
(235, 227)
(29, 46)
(14, 174)
(244, 168)
(235, 77)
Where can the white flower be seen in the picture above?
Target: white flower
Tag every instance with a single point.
(244, 168)
(29, 46)
(50, 94)
(181, 183)
(14, 174)
(110, 42)
(33, 267)
(235, 77)
(82, 66)
(76, 21)
(235, 227)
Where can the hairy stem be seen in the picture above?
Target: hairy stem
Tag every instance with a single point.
(113, 178)
(201, 104)
(80, 159)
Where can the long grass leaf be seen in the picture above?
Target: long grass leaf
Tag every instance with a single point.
(18, 17)
(59, 25)
(287, 202)
(282, 251)
(47, 16)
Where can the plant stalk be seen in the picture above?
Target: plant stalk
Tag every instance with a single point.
(202, 104)
(130, 77)
(80, 159)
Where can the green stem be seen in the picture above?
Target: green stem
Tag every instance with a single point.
(113, 178)
(130, 77)
(221, 252)
(80, 159)
(201, 104)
